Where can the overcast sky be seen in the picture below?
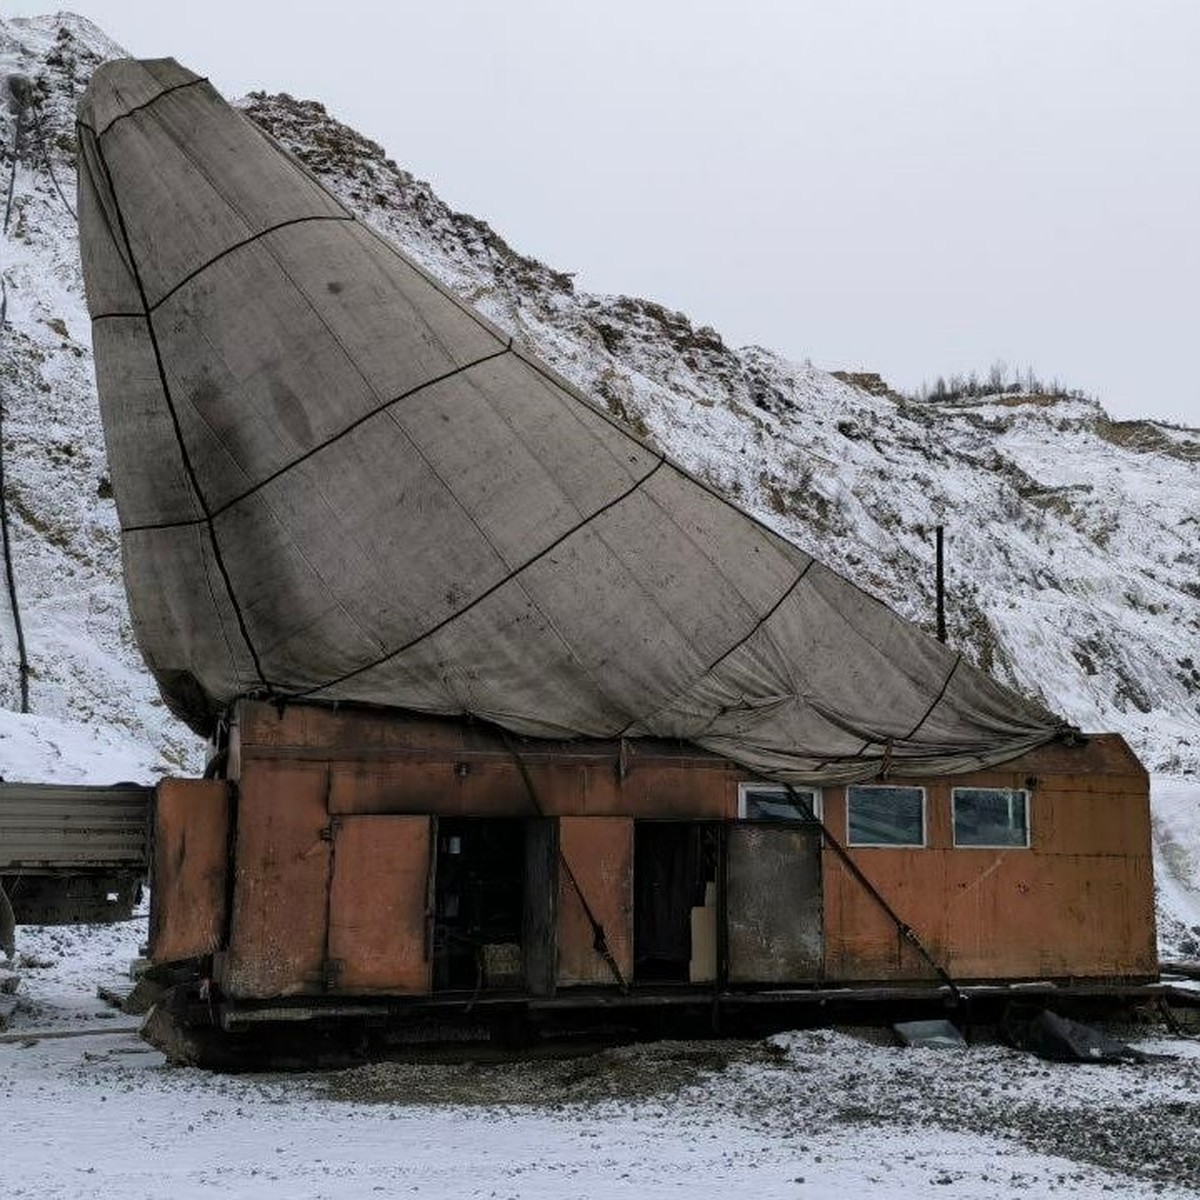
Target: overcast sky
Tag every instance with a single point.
(909, 186)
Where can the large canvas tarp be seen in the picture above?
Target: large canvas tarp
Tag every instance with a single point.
(336, 481)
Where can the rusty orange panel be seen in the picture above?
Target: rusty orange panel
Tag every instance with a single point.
(599, 851)
(189, 871)
(861, 940)
(484, 789)
(982, 914)
(1014, 914)
(379, 904)
(1101, 757)
(367, 734)
(1075, 822)
(497, 788)
(281, 882)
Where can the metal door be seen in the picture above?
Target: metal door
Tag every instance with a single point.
(773, 906)
(379, 904)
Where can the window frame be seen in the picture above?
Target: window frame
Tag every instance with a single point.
(923, 844)
(1024, 793)
(782, 792)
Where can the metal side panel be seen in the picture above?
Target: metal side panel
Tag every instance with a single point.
(539, 933)
(379, 904)
(282, 863)
(51, 827)
(773, 903)
(190, 868)
(598, 854)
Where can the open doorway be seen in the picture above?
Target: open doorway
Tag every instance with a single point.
(675, 901)
(494, 904)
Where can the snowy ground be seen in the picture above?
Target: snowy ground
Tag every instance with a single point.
(813, 1114)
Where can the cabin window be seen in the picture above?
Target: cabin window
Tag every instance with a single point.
(882, 815)
(991, 817)
(770, 802)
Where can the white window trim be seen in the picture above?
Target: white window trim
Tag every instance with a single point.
(923, 844)
(782, 791)
(1023, 792)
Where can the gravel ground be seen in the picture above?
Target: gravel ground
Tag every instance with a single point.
(1136, 1120)
(820, 1113)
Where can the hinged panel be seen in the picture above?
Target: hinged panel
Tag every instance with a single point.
(190, 868)
(773, 903)
(379, 904)
(281, 882)
(597, 876)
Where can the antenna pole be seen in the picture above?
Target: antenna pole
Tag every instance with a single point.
(941, 584)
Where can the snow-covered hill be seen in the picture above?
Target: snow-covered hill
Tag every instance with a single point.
(1073, 540)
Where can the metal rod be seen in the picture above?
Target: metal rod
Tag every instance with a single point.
(941, 585)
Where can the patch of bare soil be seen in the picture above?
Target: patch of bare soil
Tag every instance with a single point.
(622, 1074)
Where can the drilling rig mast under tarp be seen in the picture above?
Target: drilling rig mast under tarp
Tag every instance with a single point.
(337, 482)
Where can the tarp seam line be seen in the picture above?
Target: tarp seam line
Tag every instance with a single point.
(438, 286)
(206, 566)
(488, 541)
(722, 657)
(577, 394)
(329, 441)
(129, 112)
(936, 701)
(248, 241)
(189, 467)
(454, 616)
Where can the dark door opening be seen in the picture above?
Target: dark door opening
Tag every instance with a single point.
(493, 912)
(674, 901)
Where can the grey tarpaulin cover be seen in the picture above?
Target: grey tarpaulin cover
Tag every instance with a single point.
(336, 481)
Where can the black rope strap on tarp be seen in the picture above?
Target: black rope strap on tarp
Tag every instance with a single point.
(10, 578)
(599, 938)
(490, 591)
(137, 108)
(230, 249)
(188, 465)
(324, 445)
(912, 733)
(906, 931)
(716, 662)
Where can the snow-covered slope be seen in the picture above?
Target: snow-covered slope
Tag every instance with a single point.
(1073, 540)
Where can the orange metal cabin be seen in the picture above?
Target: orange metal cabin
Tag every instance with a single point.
(357, 853)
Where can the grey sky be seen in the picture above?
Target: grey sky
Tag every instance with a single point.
(908, 186)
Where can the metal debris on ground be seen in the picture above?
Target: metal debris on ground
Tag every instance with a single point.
(937, 1034)
(1059, 1039)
